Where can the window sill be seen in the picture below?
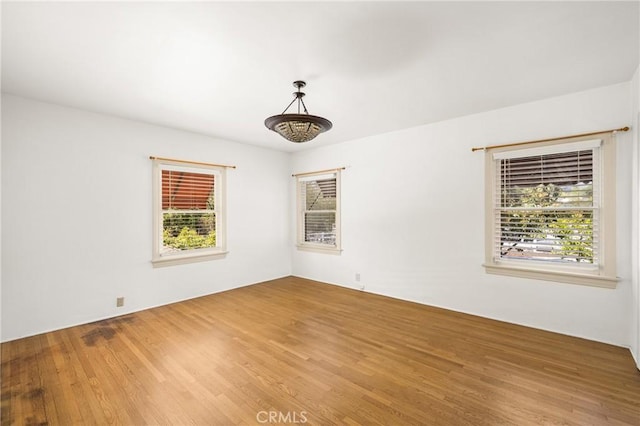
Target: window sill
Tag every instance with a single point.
(320, 249)
(187, 258)
(549, 275)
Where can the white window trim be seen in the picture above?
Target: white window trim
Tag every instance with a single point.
(196, 255)
(303, 245)
(604, 274)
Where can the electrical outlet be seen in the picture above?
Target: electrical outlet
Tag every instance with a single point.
(119, 302)
(358, 276)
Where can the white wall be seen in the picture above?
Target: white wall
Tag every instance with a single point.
(635, 229)
(413, 227)
(76, 217)
(0, 218)
(412, 217)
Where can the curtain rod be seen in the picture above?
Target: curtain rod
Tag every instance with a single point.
(191, 162)
(484, 148)
(319, 171)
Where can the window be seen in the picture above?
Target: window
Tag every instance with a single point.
(319, 211)
(551, 212)
(188, 212)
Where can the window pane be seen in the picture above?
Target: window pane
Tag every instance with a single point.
(320, 227)
(560, 180)
(560, 236)
(320, 194)
(187, 191)
(559, 169)
(188, 231)
(579, 195)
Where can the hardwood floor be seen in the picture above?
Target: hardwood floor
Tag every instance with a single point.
(297, 351)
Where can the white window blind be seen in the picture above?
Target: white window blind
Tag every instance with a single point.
(546, 205)
(318, 210)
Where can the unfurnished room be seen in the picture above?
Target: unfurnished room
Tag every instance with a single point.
(323, 213)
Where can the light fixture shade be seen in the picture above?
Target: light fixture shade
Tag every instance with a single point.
(298, 127)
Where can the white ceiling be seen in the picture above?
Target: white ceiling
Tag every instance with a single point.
(221, 68)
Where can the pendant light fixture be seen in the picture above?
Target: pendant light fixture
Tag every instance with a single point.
(299, 127)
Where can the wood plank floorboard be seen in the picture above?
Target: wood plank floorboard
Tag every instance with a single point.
(297, 351)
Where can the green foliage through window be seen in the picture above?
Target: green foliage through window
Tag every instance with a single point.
(188, 231)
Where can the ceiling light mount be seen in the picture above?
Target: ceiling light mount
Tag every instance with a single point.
(299, 127)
